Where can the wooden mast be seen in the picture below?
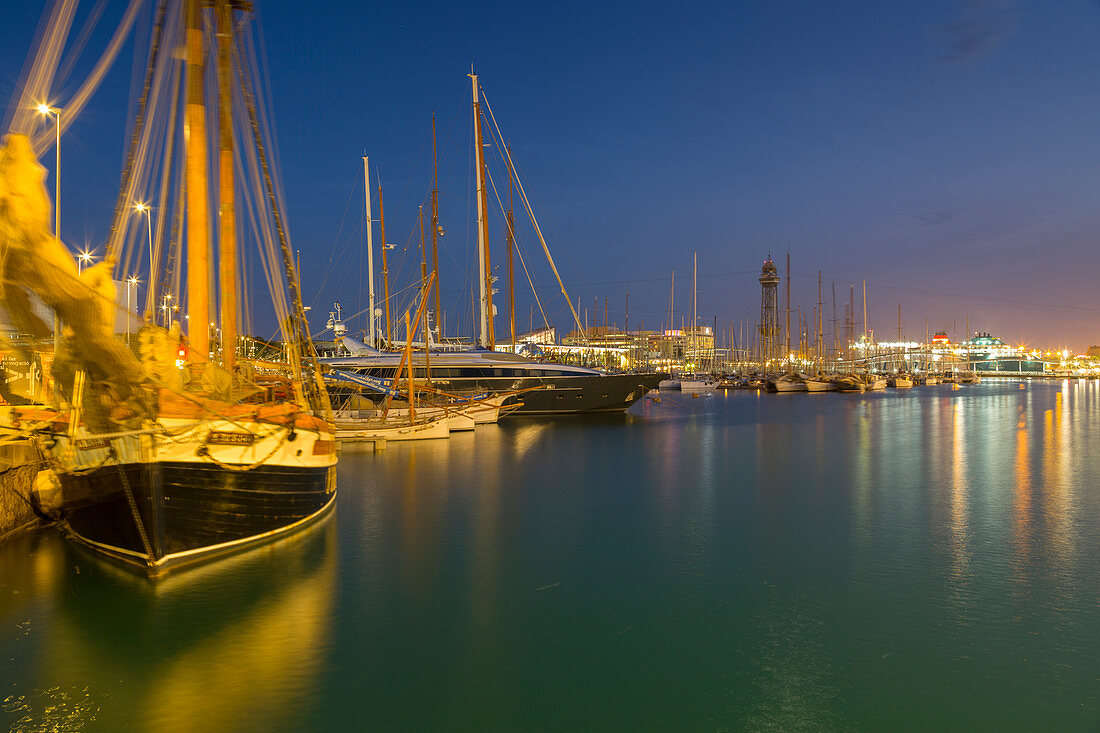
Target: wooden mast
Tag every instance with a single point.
(435, 233)
(511, 245)
(485, 281)
(408, 358)
(425, 289)
(198, 245)
(227, 223)
(819, 351)
(385, 268)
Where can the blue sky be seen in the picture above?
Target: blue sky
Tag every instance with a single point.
(944, 151)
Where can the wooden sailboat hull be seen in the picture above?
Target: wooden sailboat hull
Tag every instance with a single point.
(194, 513)
(157, 502)
(373, 429)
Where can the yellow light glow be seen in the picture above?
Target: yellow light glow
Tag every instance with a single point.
(141, 207)
(85, 256)
(44, 109)
(133, 280)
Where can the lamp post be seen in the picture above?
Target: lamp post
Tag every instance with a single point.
(167, 308)
(45, 109)
(143, 208)
(84, 258)
(131, 282)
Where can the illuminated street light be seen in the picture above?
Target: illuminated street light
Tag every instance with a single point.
(45, 109)
(130, 283)
(143, 208)
(84, 258)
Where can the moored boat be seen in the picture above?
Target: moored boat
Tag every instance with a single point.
(901, 380)
(820, 383)
(175, 447)
(788, 383)
(850, 383)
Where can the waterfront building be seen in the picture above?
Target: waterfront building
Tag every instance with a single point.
(984, 352)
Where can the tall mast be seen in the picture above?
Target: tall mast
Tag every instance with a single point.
(865, 329)
(694, 304)
(510, 221)
(423, 250)
(819, 349)
(198, 245)
(385, 269)
(671, 301)
(370, 252)
(851, 326)
(836, 348)
(485, 289)
(435, 231)
(227, 232)
(425, 290)
(788, 306)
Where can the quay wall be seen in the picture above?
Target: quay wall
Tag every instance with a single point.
(19, 465)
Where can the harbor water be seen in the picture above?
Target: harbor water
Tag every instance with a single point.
(926, 559)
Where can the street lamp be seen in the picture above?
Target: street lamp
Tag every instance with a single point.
(130, 283)
(166, 306)
(84, 258)
(45, 109)
(143, 208)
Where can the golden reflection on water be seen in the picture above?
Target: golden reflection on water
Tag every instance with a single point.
(1058, 506)
(958, 518)
(1022, 505)
(192, 652)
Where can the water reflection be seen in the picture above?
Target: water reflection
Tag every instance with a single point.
(742, 562)
(235, 644)
(959, 521)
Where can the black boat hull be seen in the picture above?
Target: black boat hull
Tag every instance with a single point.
(550, 395)
(189, 512)
(604, 393)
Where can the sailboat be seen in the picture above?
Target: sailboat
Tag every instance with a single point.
(529, 385)
(185, 447)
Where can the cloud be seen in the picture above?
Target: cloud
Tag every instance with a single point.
(935, 217)
(981, 28)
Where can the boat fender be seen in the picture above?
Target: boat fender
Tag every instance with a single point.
(47, 499)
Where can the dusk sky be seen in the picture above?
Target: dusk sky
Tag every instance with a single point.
(947, 152)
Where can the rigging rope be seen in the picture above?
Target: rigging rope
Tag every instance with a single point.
(531, 214)
(126, 190)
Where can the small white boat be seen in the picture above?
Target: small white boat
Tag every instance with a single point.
(694, 383)
(875, 382)
(372, 429)
(820, 385)
(900, 381)
(969, 377)
(790, 383)
(850, 383)
(668, 384)
(930, 379)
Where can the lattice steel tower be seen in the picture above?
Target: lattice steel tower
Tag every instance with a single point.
(770, 355)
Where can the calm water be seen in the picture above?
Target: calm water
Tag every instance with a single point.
(921, 560)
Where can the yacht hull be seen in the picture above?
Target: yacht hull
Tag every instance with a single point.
(604, 393)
